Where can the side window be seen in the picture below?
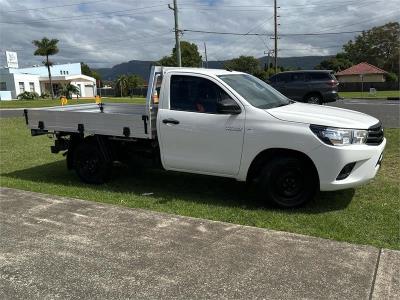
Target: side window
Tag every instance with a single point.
(284, 77)
(195, 94)
(296, 77)
(274, 78)
(318, 76)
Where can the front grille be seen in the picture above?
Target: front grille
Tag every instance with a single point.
(375, 135)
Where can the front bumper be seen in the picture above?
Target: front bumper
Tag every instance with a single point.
(330, 160)
(332, 96)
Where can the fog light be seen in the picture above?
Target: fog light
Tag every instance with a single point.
(346, 171)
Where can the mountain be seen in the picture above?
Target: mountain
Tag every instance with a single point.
(142, 68)
(139, 67)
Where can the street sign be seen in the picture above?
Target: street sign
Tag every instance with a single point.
(12, 59)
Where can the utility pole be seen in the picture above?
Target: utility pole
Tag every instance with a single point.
(177, 32)
(205, 53)
(275, 37)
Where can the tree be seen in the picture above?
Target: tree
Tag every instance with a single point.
(68, 89)
(247, 64)
(336, 63)
(46, 47)
(378, 46)
(189, 53)
(134, 81)
(122, 84)
(392, 77)
(86, 70)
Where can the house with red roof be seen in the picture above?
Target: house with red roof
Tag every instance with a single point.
(363, 72)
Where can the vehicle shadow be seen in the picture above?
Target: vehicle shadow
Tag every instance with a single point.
(163, 187)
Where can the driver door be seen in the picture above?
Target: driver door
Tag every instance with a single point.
(193, 135)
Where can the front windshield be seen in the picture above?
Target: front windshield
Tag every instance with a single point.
(255, 91)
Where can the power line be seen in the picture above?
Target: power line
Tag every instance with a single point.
(58, 6)
(108, 43)
(55, 6)
(322, 48)
(270, 34)
(210, 7)
(92, 15)
(357, 23)
(235, 42)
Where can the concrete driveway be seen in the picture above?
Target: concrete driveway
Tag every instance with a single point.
(53, 247)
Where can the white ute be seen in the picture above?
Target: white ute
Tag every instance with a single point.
(220, 123)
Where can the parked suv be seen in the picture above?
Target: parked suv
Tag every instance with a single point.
(315, 87)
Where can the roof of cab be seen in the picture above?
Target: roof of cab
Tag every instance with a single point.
(214, 72)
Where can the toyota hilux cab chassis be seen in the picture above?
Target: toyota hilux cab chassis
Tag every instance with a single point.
(220, 123)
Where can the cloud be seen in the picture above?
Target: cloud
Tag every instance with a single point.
(104, 33)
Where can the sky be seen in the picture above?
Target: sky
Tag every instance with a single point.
(104, 33)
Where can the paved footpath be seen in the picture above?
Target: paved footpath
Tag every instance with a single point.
(53, 247)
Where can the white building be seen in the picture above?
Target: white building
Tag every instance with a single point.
(14, 81)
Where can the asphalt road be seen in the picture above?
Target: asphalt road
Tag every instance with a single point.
(11, 113)
(59, 248)
(387, 111)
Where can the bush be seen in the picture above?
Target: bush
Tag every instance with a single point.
(391, 77)
(45, 95)
(28, 96)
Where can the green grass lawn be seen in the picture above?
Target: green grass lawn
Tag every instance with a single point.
(366, 95)
(47, 102)
(366, 215)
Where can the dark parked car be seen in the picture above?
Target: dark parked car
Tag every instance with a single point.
(314, 86)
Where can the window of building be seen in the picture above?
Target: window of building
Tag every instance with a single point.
(3, 86)
(21, 87)
(60, 72)
(31, 86)
(67, 72)
(195, 94)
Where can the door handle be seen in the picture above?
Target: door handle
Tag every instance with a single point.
(170, 121)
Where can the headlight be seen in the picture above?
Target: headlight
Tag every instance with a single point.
(339, 136)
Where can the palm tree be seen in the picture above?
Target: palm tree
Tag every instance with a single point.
(68, 89)
(122, 82)
(46, 47)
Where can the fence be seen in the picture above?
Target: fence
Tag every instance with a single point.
(379, 86)
(106, 92)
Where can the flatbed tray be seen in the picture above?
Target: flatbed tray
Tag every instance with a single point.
(112, 119)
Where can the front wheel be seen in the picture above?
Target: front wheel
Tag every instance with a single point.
(314, 99)
(90, 164)
(288, 182)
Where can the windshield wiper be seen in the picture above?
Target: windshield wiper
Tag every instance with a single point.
(290, 101)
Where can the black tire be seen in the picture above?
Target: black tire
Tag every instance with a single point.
(287, 182)
(314, 99)
(90, 163)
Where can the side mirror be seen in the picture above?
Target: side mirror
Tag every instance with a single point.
(228, 107)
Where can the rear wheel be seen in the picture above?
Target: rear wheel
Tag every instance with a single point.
(90, 163)
(314, 99)
(288, 182)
